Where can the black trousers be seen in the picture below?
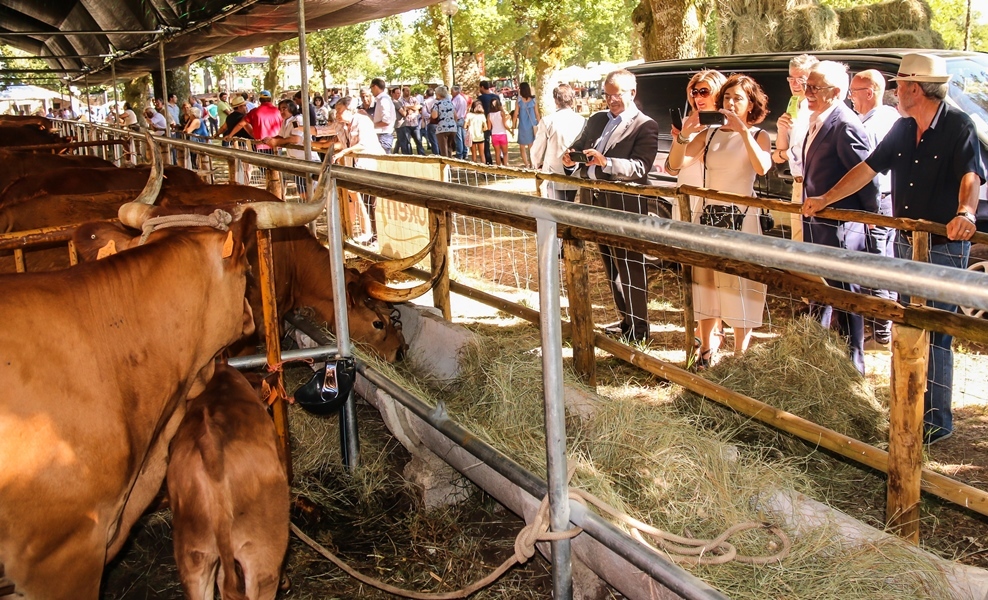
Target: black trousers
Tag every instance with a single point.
(625, 270)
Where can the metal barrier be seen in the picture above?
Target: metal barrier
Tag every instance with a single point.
(742, 253)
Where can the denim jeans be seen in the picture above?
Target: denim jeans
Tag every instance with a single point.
(414, 134)
(387, 141)
(881, 241)
(940, 370)
(461, 145)
(433, 138)
(404, 143)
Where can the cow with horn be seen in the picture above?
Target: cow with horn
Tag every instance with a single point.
(302, 275)
(97, 362)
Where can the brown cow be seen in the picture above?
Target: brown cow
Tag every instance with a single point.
(27, 135)
(228, 492)
(133, 336)
(43, 123)
(18, 164)
(81, 180)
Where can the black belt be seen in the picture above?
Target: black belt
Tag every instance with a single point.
(935, 238)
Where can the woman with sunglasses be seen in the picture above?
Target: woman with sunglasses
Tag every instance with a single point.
(729, 158)
(701, 94)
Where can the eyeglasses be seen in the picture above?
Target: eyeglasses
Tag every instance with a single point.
(864, 89)
(799, 80)
(813, 89)
(701, 92)
(616, 96)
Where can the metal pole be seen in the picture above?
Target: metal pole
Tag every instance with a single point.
(452, 61)
(555, 411)
(302, 65)
(113, 82)
(88, 107)
(349, 442)
(164, 87)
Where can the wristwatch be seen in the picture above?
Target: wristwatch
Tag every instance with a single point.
(973, 219)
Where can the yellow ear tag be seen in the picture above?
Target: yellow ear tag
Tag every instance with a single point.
(108, 250)
(228, 245)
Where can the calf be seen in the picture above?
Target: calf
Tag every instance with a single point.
(229, 493)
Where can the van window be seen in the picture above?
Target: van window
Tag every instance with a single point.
(969, 90)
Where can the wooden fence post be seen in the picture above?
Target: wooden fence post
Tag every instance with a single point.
(577, 274)
(910, 353)
(439, 227)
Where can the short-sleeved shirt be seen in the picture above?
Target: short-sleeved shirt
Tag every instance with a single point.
(231, 121)
(926, 177)
(265, 121)
(222, 109)
(486, 100)
(447, 116)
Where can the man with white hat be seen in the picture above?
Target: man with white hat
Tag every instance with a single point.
(935, 159)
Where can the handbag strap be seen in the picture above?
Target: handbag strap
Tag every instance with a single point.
(710, 137)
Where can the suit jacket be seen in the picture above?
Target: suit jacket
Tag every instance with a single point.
(632, 147)
(839, 146)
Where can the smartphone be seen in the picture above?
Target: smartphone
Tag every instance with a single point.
(712, 118)
(579, 157)
(793, 107)
(676, 117)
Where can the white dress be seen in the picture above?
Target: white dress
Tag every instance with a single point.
(739, 302)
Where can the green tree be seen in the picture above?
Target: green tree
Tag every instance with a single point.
(272, 76)
(42, 78)
(339, 53)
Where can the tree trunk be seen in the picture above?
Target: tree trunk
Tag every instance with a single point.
(135, 93)
(271, 74)
(439, 25)
(178, 84)
(672, 28)
(551, 44)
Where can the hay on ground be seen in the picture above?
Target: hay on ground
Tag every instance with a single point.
(807, 372)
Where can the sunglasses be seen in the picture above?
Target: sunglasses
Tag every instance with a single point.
(701, 92)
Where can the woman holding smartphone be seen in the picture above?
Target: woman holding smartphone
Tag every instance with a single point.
(727, 158)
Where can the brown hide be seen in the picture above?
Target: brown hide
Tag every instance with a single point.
(228, 492)
(43, 123)
(302, 279)
(12, 135)
(81, 180)
(51, 211)
(90, 399)
(18, 164)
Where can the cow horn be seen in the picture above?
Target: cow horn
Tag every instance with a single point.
(380, 291)
(391, 267)
(134, 213)
(271, 215)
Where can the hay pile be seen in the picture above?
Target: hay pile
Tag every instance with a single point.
(807, 372)
(644, 458)
(867, 20)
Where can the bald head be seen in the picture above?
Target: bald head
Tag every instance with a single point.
(867, 89)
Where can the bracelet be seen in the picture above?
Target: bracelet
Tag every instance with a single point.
(682, 140)
(973, 219)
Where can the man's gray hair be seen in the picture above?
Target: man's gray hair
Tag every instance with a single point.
(628, 79)
(456, 89)
(803, 62)
(564, 95)
(936, 91)
(442, 92)
(835, 74)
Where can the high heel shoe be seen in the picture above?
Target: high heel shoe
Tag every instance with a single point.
(704, 359)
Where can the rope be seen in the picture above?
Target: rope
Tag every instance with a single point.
(679, 549)
(218, 219)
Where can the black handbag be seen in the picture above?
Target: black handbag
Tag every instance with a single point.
(766, 220)
(725, 217)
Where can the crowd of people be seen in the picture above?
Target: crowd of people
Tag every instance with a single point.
(920, 160)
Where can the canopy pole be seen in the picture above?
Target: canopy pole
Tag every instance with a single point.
(164, 85)
(113, 82)
(303, 66)
(89, 108)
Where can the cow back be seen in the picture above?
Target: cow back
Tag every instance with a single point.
(18, 164)
(81, 180)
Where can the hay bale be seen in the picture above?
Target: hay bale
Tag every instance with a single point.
(807, 372)
(896, 39)
(885, 17)
(807, 27)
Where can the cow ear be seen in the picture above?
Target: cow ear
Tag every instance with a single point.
(243, 232)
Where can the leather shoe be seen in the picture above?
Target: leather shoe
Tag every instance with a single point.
(615, 329)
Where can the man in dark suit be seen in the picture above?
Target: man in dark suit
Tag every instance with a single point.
(620, 145)
(836, 143)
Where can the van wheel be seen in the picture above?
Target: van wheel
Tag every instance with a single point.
(977, 313)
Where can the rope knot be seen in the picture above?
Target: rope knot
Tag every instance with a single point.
(218, 219)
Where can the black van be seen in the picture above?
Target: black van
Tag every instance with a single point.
(662, 85)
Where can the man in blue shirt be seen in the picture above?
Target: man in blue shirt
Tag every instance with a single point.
(935, 159)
